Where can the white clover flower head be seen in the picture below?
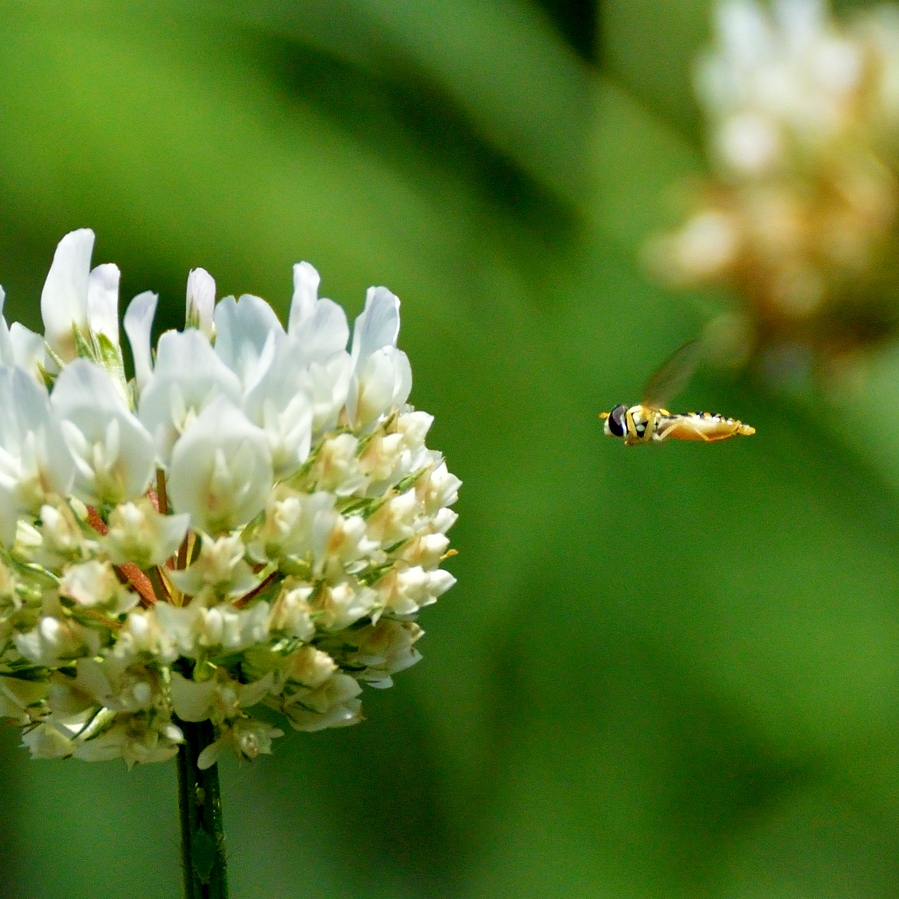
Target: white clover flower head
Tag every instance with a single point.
(253, 518)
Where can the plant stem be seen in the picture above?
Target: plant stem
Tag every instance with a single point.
(200, 806)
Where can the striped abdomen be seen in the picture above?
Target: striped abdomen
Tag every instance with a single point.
(704, 426)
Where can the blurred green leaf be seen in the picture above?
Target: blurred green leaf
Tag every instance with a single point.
(502, 64)
(649, 48)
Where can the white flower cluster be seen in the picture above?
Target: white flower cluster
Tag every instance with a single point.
(253, 519)
(803, 120)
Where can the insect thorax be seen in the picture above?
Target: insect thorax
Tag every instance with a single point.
(641, 419)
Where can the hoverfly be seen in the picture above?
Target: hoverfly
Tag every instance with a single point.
(649, 422)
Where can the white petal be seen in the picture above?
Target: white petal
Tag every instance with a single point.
(33, 454)
(46, 742)
(188, 376)
(383, 383)
(328, 384)
(318, 326)
(305, 295)
(29, 351)
(378, 325)
(282, 407)
(103, 301)
(200, 300)
(191, 699)
(325, 334)
(24, 410)
(221, 470)
(210, 755)
(138, 327)
(243, 341)
(64, 297)
(113, 451)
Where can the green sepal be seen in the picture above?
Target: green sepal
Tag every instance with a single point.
(192, 317)
(395, 547)
(374, 574)
(271, 590)
(403, 485)
(54, 356)
(203, 670)
(364, 508)
(29, 672)
(111, 358)
(48, 379)
(261, 660)
(99, 722)
(298, 568)
(84, 348)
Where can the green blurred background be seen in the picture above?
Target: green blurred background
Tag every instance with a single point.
(662, 673)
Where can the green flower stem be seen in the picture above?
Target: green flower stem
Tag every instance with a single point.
(200, 806)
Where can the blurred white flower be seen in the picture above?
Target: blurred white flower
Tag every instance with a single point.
(801, 212)
(786, 82)
(253, 518)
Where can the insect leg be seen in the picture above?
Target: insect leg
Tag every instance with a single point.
(687, 431)
(663, 432)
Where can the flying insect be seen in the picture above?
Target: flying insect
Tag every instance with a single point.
(650, 422)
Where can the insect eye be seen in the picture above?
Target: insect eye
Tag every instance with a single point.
(616, 421)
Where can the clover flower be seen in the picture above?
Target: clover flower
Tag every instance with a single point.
(253, 520)
(801, 214)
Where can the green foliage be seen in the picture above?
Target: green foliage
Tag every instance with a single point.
(662, 673)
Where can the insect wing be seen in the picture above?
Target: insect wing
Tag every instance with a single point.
(673, 375)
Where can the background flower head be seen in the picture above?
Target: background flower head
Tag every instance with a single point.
(799, 214)
(253, 519)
